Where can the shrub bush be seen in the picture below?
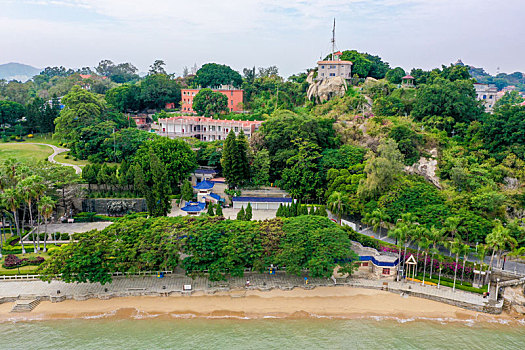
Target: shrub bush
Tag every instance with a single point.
(12, 261)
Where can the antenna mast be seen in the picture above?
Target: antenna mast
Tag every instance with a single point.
(333, 41)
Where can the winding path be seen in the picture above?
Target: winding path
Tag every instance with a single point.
(57, 151)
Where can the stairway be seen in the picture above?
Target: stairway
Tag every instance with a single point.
(25, 305)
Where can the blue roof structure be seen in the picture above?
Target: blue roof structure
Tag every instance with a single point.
(216, 197)
(263, 199)
(205, 171)
(204, 185)
(379, 263)
(194, 207)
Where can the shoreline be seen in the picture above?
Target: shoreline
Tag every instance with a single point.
(341, 302)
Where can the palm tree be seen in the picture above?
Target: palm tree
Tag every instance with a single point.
(11, 198)
(440, 258)
(436, 236)
(455, 248)
(400, 233)
(45, 208)
(425, 243)
(32, 188)
(481, 252)
(452, 224)
(465, 249)
(377, 219)
(337, 204)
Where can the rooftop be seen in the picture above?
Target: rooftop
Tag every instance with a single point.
(263, 199)
(194, 207)
(211, 120)
(335, 62)
(205, 171)
(204, 185)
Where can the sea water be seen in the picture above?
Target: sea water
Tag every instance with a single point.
(199, 333)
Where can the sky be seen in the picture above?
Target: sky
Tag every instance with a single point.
(291, 34)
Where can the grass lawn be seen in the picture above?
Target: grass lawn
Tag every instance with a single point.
(62, 159)
(24, 269)
(24, 151)
(47, 138)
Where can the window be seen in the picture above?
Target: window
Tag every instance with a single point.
(322, 67)
(490, 97)
(386, 271)
(232, 93)
(484, 97)
(332, 74)
(219, 128)
(322, 74)
(236, 129)
(364, 263)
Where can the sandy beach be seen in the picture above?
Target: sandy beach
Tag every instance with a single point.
(343, 302)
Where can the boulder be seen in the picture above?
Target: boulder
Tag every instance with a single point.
(326, 89)
(426, 167)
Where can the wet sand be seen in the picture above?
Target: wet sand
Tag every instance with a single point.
(337, 302)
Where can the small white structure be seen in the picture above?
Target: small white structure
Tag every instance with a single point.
(260, 203)
(377, 264)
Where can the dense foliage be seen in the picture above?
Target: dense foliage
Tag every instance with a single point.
(209, 245)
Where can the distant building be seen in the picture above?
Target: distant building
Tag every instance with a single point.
(334, 68)
(142, 120)
(235, 99)
(204, 129)
(488, 94)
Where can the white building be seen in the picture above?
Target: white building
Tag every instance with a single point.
(488, 93)
(334, 68)
(204, 129)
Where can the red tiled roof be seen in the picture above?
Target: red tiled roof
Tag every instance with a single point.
(215, 121)
(408, 77)
(338, 53)
(334, 62)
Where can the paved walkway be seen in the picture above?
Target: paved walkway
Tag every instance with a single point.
(173, 283)
(57, 151)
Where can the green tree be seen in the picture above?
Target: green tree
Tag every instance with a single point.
(337, 204)
(445, 103)
(209, 103)
(248, 213)
(175, 155)
(210, 210)
(186, 192)
(46, 205)
(10, 113)
(302, 178)
(381, 170)
(82, 108)
(218, 211)
(241, 216)
(361, 65)
(158, 198)
(261, 168)
(11, 198)
(234, 160)
(213, 75)
(394, 75)
(158, 89)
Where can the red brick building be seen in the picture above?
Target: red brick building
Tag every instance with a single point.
(235, 98)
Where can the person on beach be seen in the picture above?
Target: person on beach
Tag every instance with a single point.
(247, 283)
